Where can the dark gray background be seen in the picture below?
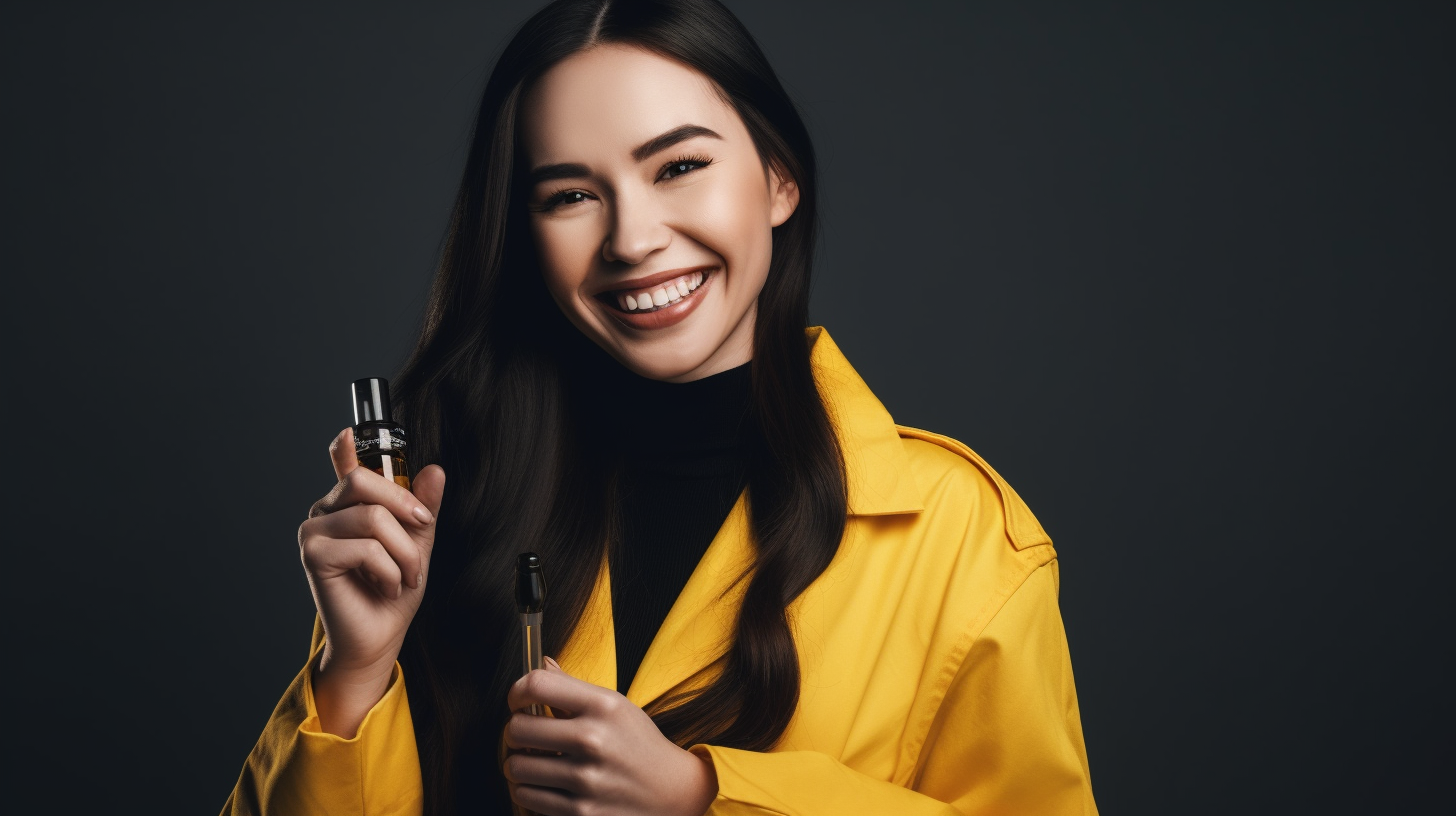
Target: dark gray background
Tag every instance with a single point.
(1172, 271)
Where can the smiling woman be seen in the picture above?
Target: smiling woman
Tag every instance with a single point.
(644, 237)
(766, 597)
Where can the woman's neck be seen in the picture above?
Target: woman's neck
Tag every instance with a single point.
(697, 424)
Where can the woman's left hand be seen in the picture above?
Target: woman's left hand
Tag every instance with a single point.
(612, 761)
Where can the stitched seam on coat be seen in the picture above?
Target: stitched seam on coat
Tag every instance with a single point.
(962, 648)
(359, 760)
(1021, 538)
(729, 799)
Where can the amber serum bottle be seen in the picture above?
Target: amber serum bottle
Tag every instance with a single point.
(379, 441)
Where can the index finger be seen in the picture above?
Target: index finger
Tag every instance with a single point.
(556, 689)
(341, 450)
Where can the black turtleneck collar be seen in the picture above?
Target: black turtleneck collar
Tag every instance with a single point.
(692, 428)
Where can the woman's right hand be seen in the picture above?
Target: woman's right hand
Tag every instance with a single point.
(366, 550)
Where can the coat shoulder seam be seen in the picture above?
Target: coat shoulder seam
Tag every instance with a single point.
(1022, 527)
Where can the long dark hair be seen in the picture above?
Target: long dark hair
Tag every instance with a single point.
(497, 391)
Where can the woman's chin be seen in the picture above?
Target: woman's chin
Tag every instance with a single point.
(680, 365)
(683, 357)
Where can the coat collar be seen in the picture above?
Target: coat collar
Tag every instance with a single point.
(878, 470)
(701, 621)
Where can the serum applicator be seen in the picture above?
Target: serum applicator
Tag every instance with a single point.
(530, 603)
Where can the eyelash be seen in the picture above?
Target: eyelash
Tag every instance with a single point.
(556, 199)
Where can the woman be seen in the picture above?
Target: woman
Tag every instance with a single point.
(765, 597)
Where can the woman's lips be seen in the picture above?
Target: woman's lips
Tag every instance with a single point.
(657, 315)
(659, 296)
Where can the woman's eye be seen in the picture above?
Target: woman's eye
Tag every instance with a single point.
(673, 169)
(683, 166)
(564, 197)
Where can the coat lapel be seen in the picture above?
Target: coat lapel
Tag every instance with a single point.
(591, 652)
(701, 622)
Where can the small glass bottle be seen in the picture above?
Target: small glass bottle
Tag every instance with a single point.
(530, 604)
(379, 441)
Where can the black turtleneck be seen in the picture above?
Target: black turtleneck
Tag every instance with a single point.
(683, 449)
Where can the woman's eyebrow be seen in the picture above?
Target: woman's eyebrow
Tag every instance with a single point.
(681, 133)
(651, 147)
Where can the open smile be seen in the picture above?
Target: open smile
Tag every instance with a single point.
(660, 304)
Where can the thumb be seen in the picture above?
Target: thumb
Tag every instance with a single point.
(341, 452)
(550, 664)
(429, 487)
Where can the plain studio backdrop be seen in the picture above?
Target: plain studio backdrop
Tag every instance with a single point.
(1174, 271)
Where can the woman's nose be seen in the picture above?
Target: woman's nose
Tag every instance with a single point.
(637, 230)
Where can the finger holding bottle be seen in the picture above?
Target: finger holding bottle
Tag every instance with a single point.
(404, 503)
(366, 551)
(360, 485)
(599, 754)
(367, 538)
(387, 531)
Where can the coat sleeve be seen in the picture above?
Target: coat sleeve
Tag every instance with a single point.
(297, 768)
(1007, 737)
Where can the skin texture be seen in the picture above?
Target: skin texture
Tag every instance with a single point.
(630, 218)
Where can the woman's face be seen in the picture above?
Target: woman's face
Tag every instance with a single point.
(651, 210)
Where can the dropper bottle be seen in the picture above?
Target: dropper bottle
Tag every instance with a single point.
(379, 441)
(530, 603)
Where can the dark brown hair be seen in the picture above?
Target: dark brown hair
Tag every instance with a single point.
(499, 396)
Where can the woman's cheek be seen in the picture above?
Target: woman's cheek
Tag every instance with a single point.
(565, 249)
(750, 239)
(723, 216)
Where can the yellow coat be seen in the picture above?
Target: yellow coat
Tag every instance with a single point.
(935, 671)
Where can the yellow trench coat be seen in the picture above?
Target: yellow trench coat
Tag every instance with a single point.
(935, 672)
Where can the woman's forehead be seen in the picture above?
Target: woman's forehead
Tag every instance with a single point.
(596, 105)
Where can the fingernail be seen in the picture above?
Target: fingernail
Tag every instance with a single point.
(552, 662)
(423, 515)
(399, 589)
(419, 580)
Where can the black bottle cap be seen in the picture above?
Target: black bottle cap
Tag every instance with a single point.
(371, 400)
(530, 583)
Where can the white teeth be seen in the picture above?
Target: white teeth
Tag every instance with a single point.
(670, 292)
